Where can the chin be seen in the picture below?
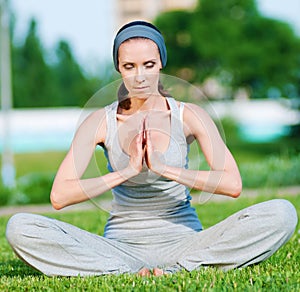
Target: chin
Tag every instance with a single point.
(140, 95)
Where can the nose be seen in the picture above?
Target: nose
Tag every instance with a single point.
(139, 76)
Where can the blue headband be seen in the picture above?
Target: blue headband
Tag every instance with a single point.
(142, 31)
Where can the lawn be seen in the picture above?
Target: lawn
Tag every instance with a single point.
(279, 273)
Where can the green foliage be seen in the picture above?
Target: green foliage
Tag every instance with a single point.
(41, 79)
(231, 131)
(274, 171)
(182, 55)
(31, 74)
(34, 188)
(279, 273)
(232, 42)
(72, 84)
(5, 194)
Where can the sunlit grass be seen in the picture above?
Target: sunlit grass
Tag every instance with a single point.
(42, 162)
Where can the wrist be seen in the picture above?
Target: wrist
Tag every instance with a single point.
(156, 163)
(158, 168)
(129, 172)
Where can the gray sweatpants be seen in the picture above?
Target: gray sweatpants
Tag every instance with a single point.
(247, 237)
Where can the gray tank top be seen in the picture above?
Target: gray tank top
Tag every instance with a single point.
(148, 206)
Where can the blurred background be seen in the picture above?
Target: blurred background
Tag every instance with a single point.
(244, 56)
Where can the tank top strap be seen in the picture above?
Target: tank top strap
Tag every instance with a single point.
(111, 122)
(111, 119)
(176, 113)
(172, 104)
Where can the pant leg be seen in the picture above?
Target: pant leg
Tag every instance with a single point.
(247, 237)
(58, 248)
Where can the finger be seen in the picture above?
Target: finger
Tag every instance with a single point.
(139, 137)
(148, 137)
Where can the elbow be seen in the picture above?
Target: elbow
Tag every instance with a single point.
(237, 187)
(58, 196)
(55, 202)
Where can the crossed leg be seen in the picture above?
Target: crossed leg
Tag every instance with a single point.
(244, 238)
(58, 248)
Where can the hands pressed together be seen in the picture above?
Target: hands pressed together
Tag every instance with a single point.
(142, 150)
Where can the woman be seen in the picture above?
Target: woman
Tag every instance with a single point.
(152, 226)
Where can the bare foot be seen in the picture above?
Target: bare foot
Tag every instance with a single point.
(158, 272)
(144, 272)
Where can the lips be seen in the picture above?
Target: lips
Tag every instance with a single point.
(141, 88)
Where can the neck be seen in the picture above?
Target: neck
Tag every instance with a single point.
(143, 104)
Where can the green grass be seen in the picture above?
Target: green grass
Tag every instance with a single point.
(279, 273)
(47, 162)
(43, 162)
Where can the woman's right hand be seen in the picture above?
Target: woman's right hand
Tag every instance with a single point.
(136, 152)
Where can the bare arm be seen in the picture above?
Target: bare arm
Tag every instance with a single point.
(68, 186)
(223, 176)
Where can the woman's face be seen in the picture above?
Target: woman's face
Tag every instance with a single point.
(139, 65)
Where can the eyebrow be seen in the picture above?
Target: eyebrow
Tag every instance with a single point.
(148, 61)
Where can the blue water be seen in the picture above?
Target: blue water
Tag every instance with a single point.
(263, 133)
(39, 142)
(39, 130)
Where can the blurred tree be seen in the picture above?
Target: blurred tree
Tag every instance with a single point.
(182, 54)
(72, 85)
(38, 83)
(31, 75)
(230, 41)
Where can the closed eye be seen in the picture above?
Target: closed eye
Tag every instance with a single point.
(149, 65)
(128, 66)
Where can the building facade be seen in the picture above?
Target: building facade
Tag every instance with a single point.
(128, 10)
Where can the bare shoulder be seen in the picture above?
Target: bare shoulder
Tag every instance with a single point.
(94, 126)
(196, 119)
(195, 113)
(94, 119)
